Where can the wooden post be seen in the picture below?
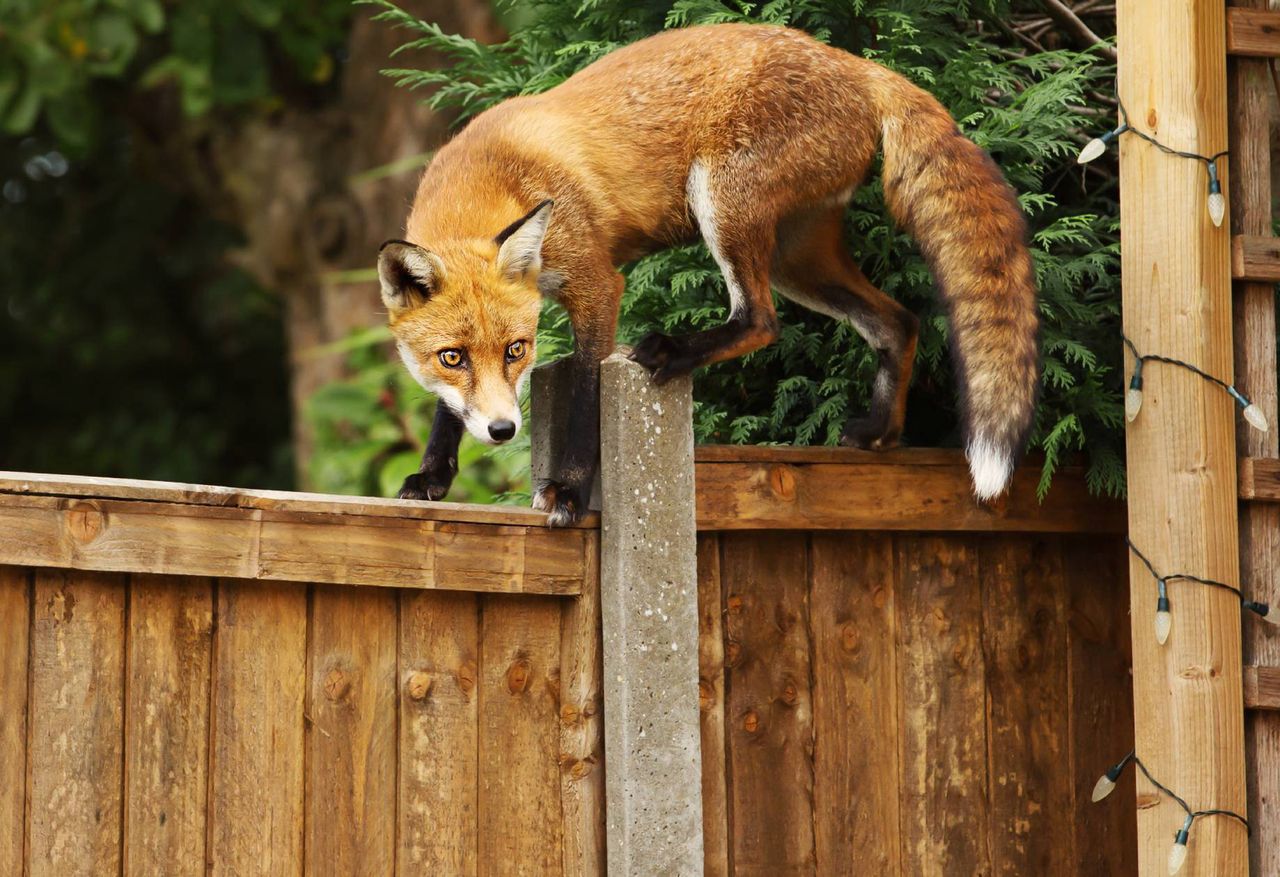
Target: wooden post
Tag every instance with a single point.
(1188, 706)
(1255, 368)
(649, 614)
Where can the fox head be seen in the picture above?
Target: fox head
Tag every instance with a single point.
(465, 315)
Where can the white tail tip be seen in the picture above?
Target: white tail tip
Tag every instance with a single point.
(991, 466)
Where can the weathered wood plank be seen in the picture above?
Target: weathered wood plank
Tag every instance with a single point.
(1028, 739)
(519, 815)
(582, 801)
(711, 691)
(78, 486)
(1261, 688)
(889, 496)
(769, 711)
(1260, 479)
(174, 539)
(855, 704)
(1253, 310)
(1101, 697)
(167, 724)
(807, 455)
(942, 733)
(1253, 32)
(1255, 258)
(76, 724)
(351, 736)
(15, 627)
(257, 747)
(1180, 453)
(439, 667)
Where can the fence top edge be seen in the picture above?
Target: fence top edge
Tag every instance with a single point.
(93, 487)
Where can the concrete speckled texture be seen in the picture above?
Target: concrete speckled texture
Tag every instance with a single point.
(649, 608)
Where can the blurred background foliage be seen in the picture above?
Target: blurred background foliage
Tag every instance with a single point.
(192, 192)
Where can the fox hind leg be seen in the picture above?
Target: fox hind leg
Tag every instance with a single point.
(814, 270)
(741, 241)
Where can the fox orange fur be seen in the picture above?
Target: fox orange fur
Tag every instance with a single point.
(753, 137)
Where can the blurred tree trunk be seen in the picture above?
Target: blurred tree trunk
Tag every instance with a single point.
(316, 193)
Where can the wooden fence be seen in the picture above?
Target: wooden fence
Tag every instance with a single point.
(169, 706)
(896, 681)
(893, 679)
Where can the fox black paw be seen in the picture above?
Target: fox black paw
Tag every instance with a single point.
(869, 434)
(663, 356)
(562, 504)
(421, 485)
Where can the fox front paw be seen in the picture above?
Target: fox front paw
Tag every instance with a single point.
(663, 356)
(562, 504)
(432, 483)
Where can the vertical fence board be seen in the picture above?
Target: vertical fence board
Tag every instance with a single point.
(945, 806)
(76, 723)
(582, 800)
(439, 664)
(855, 704)
(1024, 632)
(351, 735)
(167, 724)
(256, 770)
(519, 818)
(711, 690)
(769, 712)
(1101, 712)
(15, 625)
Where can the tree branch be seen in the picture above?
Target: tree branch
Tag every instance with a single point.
(1074, 25)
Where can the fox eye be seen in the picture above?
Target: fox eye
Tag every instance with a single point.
(451, 358)
(515, 350)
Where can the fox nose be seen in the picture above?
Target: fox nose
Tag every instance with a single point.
(501, 430)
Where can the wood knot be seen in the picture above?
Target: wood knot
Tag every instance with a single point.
(1152, 119)
(336, 684)
(789, 694)
(782, 481)
(734, 603)
(850, 640)
(751, 722)
(880, 597)
(706, 695)
(569, 714)
(85, 521)
(419, 685)
(732, 652)
(518, 676)
(467, 679)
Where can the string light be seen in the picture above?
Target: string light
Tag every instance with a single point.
(1178, 852)
(1164, 618)
(1215, 201)
(1133, 398)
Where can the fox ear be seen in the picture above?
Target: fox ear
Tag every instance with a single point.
(409, 274)
(520, 243)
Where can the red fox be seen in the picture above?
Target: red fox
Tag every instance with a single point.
(753, 137)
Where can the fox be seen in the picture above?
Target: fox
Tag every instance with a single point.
(753, 138)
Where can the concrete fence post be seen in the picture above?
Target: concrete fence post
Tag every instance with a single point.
(649, 613)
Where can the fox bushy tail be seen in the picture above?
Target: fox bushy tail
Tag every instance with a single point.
(954, 201)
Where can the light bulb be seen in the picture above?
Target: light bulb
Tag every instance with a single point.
(1132, 404)
(1269, 614)
(1178, 852)
(1217, 208)
(1103, 787)
(1253, 414)
(1164, 620)
(1092, 150)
